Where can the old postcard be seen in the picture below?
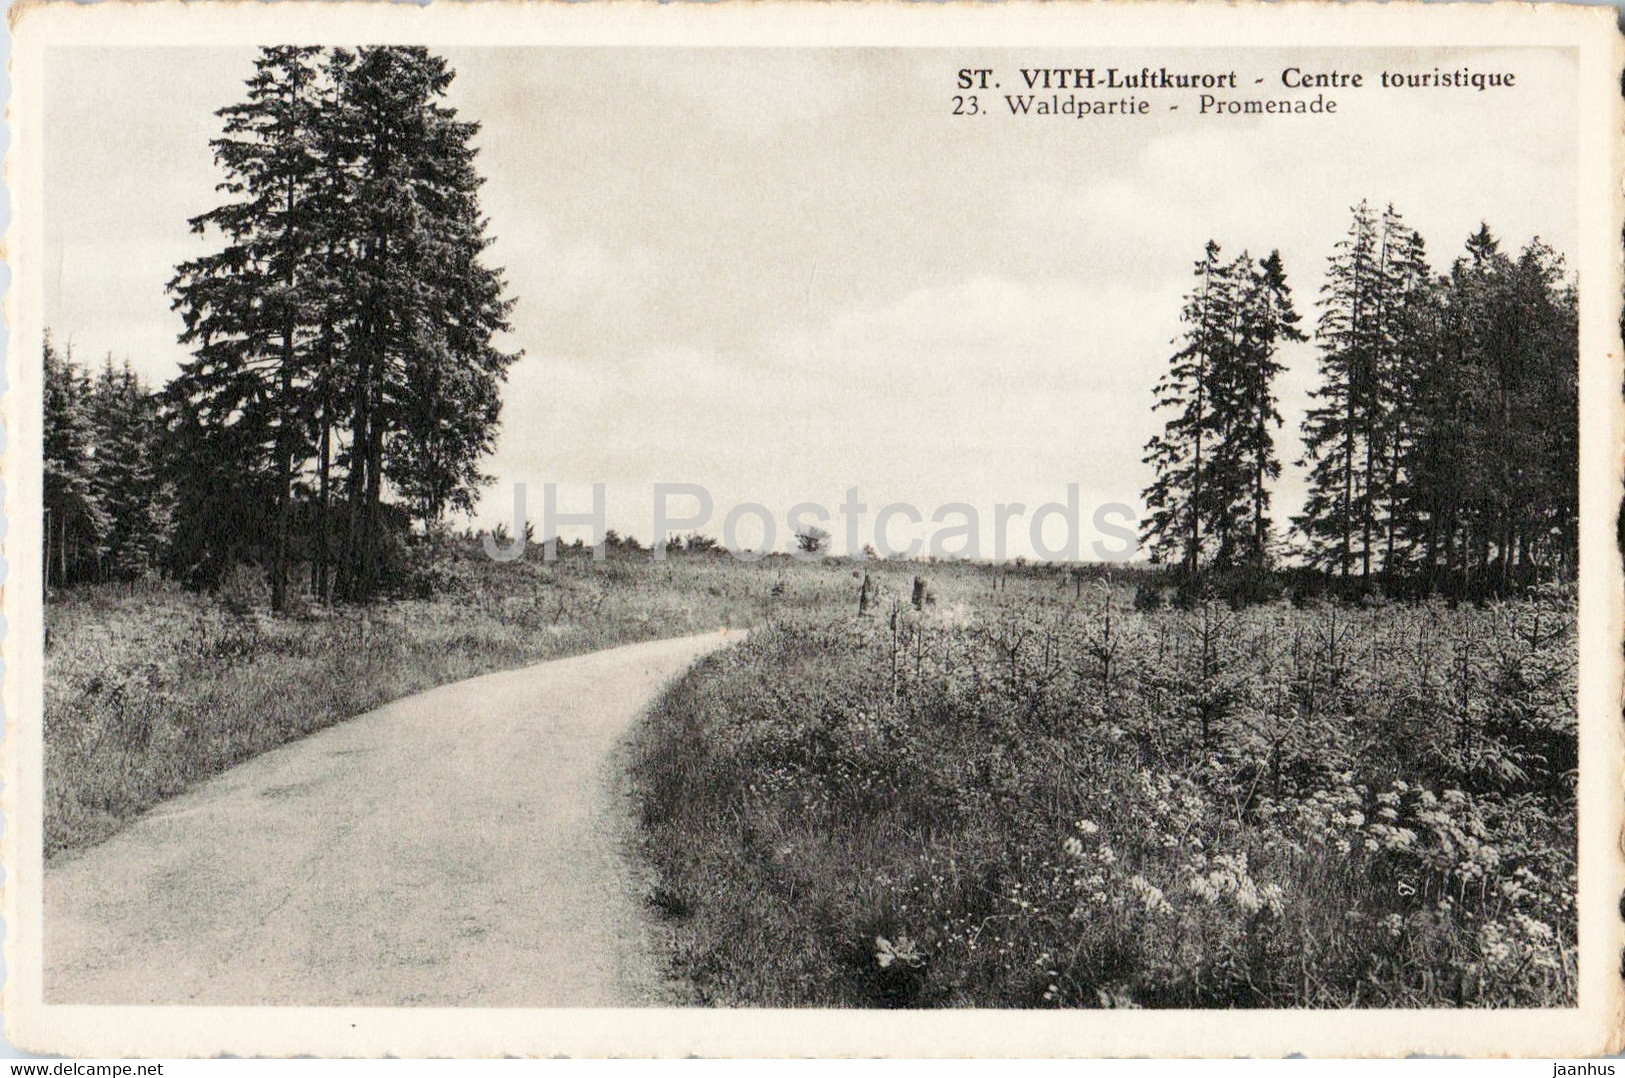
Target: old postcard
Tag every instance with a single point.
(781, 529)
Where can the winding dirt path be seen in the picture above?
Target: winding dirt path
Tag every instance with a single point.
(465, 846)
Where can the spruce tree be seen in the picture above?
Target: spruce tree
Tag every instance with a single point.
(75, 521)
(1432, 451)
(1407, 348)
(138, 502)
(1516, 334)
(1550, 414)
(1446, 436)
(343, 335)
(421, 363)
(1344, 432)
(247, 307)
(1185, 509)
(1216, 454)
(1267, 320)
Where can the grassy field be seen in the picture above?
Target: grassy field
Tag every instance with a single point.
(1033, 790)
(1027, 795)
(149, 688)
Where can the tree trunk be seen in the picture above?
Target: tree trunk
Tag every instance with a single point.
(284, 485)
(349, 577)
(373, 498)
(285, 443)
(1194, 555)
(323, 515)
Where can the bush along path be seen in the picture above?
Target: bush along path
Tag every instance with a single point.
(1016, 801)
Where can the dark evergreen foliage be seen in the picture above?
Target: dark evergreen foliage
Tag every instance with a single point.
(1445, 446)
(1442, 445)
(108, 505)
(1216, 455)
(343, 334)
(75, 522)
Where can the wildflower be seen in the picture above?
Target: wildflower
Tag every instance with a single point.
(1493, 945)
(1088, 827)
(1073, 847)
(1115, 999)
(1535, 930)
(1398, 838)
(1150, 896)
(903, 952)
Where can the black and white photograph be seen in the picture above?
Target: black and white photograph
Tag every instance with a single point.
(1064, 522)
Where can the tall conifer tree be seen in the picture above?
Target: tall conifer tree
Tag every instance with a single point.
(344, 333)
(127, 428)
(1267, 320)
(246, 307)
(1350, 439)
(75, 521)
(1179, 498)
(422, 366)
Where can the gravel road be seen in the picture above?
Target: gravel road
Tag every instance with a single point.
(464, 846)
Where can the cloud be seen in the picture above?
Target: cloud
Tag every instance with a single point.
(986, 389)
(757, 93)
(784, 272)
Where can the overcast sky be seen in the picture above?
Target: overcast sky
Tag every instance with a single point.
(783, 273)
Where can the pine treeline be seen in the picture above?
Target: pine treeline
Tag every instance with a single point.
(342, 347)
(1442, 445)
(343, 332)
(1215, 459)
(1372, 337)
(1494, 478)
(108, 511)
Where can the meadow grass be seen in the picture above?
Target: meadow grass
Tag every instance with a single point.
(149, 687)
(1024, 796)
(1035, 789)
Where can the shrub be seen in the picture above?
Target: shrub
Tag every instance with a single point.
(243, 590)
(1050, 804)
